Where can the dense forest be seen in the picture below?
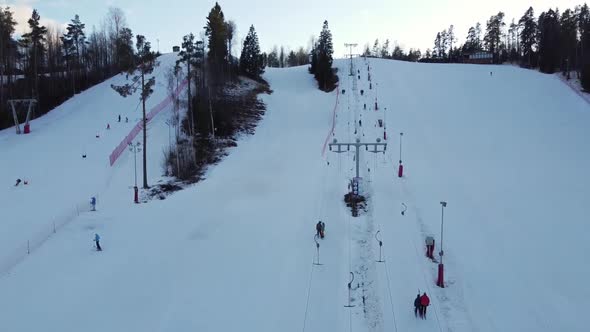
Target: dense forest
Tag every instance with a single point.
(551, 42)
(51, 65)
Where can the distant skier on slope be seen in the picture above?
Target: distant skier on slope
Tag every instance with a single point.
(97, 241)
(18, 181)
(319, 227)
(322, 232)
(417, 308)
(424, 302)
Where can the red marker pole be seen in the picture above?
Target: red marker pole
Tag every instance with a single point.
(400, 170)
(440, 282)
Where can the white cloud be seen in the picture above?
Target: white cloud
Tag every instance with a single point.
(22, 13)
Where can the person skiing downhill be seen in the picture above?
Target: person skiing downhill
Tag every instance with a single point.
(323, 229)
(417, 308)
(97, 241)
(424, 302)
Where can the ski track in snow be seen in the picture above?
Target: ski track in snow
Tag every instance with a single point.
(235, 252)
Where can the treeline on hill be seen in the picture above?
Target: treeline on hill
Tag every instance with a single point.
(319, 58)
(553, 41)
(385, 51)
(281, 59)
(221, 95)
(51, 65)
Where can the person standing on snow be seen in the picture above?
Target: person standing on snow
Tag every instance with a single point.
(323, 226)
(318, 229)
(417, 308)
(97, 241)
(424, 302)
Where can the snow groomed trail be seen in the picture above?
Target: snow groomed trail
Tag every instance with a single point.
(65, 160)
(236, 251)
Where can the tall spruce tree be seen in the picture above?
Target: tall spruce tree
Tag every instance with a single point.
(584, 30)
(451, 39)
(189, 56)
(216, 31)
(251, 59)
(7, 28)
(376, 48)
(470, 45)
(548, 33)
(528, 35)
(146, 60)
(125, 58)
(493, 34)
(74, 42)
(324, 72)
(36, 40)
(385, 49)
(569, 40)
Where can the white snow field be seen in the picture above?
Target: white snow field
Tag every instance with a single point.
(235, 252)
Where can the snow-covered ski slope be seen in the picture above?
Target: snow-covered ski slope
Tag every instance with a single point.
(60, 181)
(234, 253)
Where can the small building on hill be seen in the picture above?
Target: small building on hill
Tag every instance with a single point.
(175, 48)
(480, 57)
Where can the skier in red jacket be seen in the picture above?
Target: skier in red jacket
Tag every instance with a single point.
(424, 302)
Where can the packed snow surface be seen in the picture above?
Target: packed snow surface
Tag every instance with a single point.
(506, 148)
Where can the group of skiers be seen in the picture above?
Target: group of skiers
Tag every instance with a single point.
(320, 228)
(420, 304)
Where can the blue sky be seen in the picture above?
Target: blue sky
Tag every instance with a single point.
(410, 23)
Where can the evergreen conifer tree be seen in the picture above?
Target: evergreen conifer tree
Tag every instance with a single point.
(251, 63)
(36, 40)
(528, 35)
(324, 73)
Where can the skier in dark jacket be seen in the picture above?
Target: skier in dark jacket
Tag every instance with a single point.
(424, 302)
(318, 229)
(97, 241)
(417, 308)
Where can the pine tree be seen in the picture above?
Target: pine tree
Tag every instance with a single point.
(548, 35)
(273, 58)
(437, 50)
(146, 59)
(216, 31)
(189, 56)
(324, 72)
(451, 39)
(385, 49)
(528, 35)
(74, 41)
(493, 34)
(444, 42)
(478, 46)
(292, 59)
(569, 41)
(282, 57)
(36, 39)
(470, 45)
(302, 56)
(251, 59)
(124, 50)
(375, 52)
(584, 30)
(367, 51)
(7, 28)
